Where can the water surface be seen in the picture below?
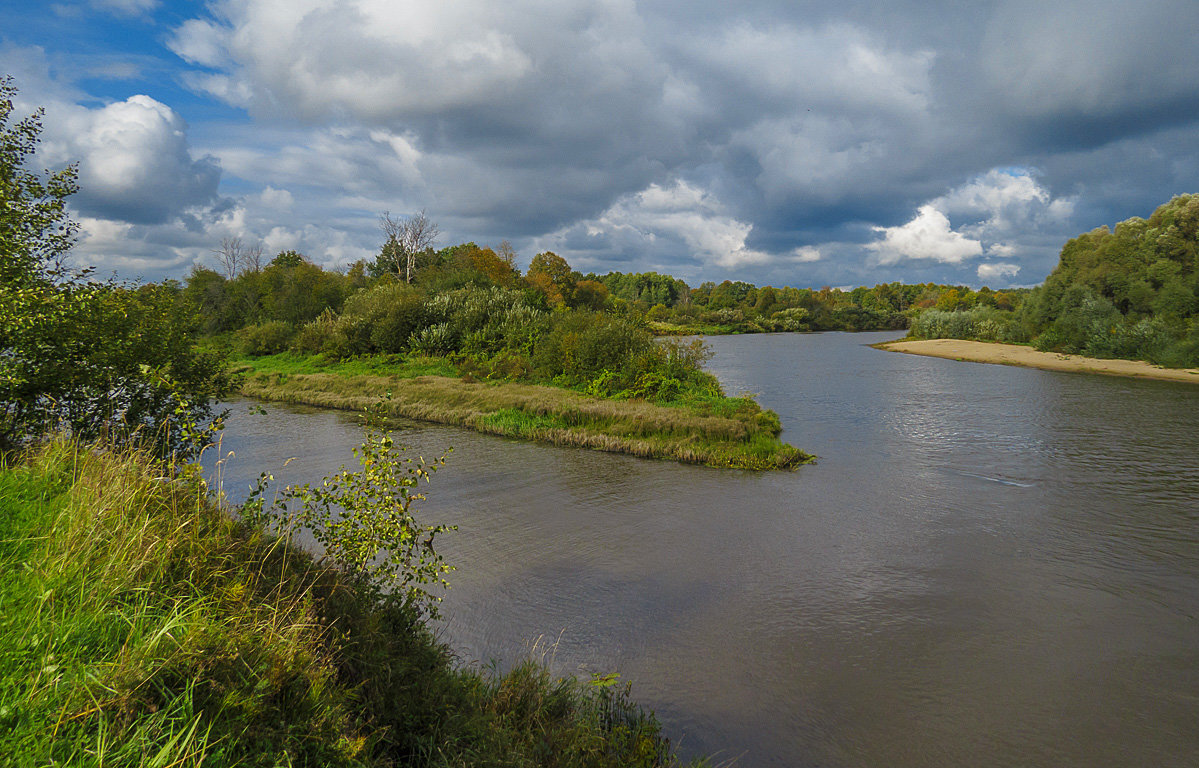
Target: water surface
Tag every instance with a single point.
(989, 565)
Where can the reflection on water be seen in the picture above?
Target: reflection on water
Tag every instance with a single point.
(989, 565)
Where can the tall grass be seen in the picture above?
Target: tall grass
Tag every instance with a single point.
(142, 626)
(704, 429)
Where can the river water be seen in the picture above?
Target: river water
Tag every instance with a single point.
(989, 565)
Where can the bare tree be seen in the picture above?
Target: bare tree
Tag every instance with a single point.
(507, 253)
(235, 257)
(405, 239)
(252, 258)
(228, 255)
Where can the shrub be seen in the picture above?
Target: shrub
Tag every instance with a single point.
(266, 339)
(433, 340)
(1085, 326)
(335, 337)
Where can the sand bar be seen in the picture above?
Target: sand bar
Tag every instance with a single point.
(1014, 354)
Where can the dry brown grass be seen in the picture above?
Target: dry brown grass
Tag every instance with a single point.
(547, 414)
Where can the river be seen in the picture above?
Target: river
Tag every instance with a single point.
(989, 565)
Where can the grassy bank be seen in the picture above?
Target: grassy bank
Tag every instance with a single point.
(139, 625)
(713, 430)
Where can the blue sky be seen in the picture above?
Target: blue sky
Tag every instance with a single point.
(805, 144)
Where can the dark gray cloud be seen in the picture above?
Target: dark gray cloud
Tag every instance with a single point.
(809, 144)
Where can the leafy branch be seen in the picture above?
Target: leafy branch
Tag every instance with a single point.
(364, 519)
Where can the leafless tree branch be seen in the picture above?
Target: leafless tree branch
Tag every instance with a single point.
(406, 237)
(235, 257)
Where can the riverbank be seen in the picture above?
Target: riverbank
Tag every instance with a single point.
(1014, 354)
(732, 432)
(142, 625)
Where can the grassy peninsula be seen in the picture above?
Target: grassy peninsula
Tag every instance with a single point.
(499, 360)
(142, 625)
(700, 428)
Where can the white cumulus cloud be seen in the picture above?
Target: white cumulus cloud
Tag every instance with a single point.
(991, 213)
(134, 157)
(200, 42)
(136, 164)
(663, 218)
(1005, 200)
(997, 271)
(376, 60)
(927, 236)
(277, 199)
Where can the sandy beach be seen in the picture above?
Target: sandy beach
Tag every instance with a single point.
(1012, 354)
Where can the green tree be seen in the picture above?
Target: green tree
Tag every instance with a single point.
(298, 293)
(86, 355)
(289, 258)
(365, 522)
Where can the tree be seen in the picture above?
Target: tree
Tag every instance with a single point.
(405, 238)
(589, 294)
(236, 257)
(297, 294)
(35, 231)
(550, 274)
(89, 356)
(288, 259)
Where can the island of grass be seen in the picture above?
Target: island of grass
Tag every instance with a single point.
(695, 426)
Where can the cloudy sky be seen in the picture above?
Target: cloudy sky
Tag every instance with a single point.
(791, 143)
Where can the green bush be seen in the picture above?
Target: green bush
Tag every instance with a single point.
(266, 339)
(985, 323)
(157, 629)
(335, 337)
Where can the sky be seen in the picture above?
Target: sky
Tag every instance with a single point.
(778, 142)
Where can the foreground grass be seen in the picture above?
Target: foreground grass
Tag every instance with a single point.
(141, 626)
(716, 431)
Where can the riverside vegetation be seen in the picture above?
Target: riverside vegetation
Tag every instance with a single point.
(141, 623)
(460, 336)
(1129, 293)
(492, 360)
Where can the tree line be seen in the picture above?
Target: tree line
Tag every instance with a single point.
(551, 324)
(1129, 293)
(83, 353)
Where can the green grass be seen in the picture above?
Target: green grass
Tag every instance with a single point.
(142, 626)
(398, 366)
(718, 431)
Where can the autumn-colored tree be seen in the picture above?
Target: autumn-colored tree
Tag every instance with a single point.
(497, 268)
(549, 273)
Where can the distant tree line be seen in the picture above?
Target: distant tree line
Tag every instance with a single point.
(740, 307)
